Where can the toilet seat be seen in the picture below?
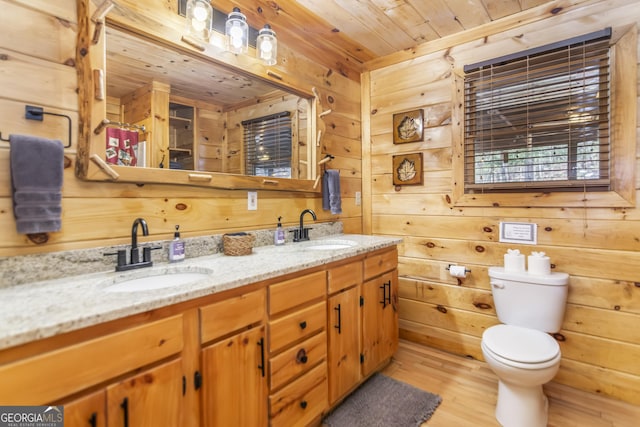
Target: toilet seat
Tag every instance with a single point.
(521, 347)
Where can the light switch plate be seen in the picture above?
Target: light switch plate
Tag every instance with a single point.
(252, 201)
(358, 198)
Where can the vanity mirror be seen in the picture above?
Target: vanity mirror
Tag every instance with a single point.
(156, 108)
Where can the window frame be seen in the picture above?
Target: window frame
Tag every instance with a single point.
(248, 128)
(623, 106)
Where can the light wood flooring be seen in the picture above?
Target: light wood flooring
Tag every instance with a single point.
(469, 390)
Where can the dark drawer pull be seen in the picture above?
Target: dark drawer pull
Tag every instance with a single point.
(303, 404)
(303, 325)
(301, 357)
(386, 298)
(197, 380)
(261, 367)
(125, 411)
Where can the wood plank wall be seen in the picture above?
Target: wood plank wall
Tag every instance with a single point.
(37, 49)
(598, 247)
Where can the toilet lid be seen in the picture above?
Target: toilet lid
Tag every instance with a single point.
(520, 344)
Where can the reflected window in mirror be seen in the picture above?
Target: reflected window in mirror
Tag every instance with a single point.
(267, 145)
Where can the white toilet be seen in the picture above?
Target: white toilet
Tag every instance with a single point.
(520, 351)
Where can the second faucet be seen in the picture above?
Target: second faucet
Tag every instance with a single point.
(302, 233)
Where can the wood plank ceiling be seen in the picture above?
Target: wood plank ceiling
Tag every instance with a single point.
(345, 35)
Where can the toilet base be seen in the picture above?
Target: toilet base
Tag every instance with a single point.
(521, 406)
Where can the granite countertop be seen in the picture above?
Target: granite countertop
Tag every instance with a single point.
(44, 309)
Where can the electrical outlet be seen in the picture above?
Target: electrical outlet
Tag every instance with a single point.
(358, 198)
(252, 201)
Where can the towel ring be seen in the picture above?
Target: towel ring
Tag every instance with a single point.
(37, 113)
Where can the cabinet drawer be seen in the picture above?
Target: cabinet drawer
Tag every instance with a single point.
(286, 295)
(301, 401)
(297, 360)
(345, 276)
(381, 263)
(230, 315)
(71, 369)
(296, 326)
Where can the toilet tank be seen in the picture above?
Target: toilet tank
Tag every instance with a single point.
(530, 301)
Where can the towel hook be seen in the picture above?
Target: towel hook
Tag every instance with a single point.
(37, 113)
(327, 158)
(4, 139)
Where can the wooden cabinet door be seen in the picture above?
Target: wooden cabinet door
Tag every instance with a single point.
(152, 398)
(86, 411)
(379, 320)
(234, 381)
(343, 330)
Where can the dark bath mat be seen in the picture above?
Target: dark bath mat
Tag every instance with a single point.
(384, 402)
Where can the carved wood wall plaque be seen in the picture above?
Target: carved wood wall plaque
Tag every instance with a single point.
(407, 169)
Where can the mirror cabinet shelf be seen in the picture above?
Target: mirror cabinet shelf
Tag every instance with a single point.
(182, 134)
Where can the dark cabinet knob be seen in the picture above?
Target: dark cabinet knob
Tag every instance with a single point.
(303, 325)
(303, 404)
(301, 357)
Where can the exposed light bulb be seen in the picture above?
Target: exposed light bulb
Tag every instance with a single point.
(199, 19)
(237, 31)
(198, 24)
(267, 45)
(200, 12)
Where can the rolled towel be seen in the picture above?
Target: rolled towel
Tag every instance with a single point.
(37, 168)
(331, 198)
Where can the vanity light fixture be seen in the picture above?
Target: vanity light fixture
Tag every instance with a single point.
(237, 32)
(199, 19)
(267, 46)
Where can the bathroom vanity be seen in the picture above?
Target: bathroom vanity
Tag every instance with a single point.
(276, 338)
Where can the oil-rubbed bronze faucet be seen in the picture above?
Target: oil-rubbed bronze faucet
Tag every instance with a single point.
(134, 257)
(302, 233)
(135, 254)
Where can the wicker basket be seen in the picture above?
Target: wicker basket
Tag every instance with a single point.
(238, 244)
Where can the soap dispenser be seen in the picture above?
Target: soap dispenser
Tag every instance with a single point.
(278, 238)
(176, 247)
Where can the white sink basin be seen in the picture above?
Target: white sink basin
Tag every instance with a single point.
(331, 244)
(155, 280)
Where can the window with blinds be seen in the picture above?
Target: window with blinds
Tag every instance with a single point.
(267, 145)
(539, 120)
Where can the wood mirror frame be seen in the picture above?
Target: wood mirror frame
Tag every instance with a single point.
(166, 32)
